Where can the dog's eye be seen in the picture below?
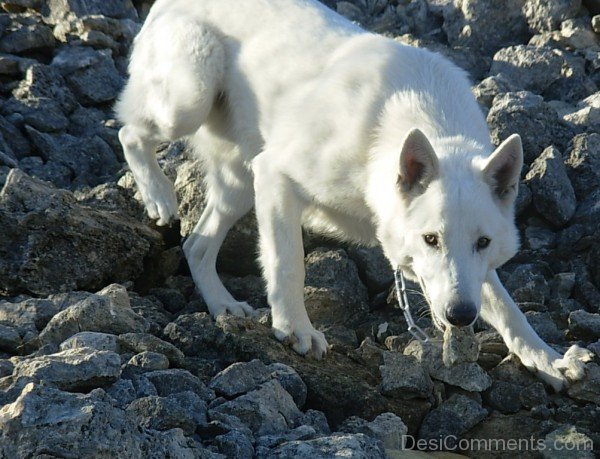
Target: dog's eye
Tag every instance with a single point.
(483, 242)
(431, 240)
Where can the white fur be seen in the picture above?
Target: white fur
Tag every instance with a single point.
(304, 115)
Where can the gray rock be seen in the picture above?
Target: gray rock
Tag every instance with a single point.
(21, 38)
(553, 194)
(583, 163)
(93, 340)
(373, 267)
(99, 83)
(533, 395)
(584, 325)
(291, 381)
(266, 410)
(10, 340)
(44, 82)
(529, 67)
(240, 378)
(173, 381)
(101, 245)
(333, 293)
(184, 410)
(94, 164)
(544, 16)
(140, 342)
(17, 142)
(150, 361)
(317, 420)
(544, 326)
(459, 346)
(57, 10)
(352, 446)
(108, 311)
(46, 419)
(41, 113)
(7, 367)
(50, 171)
(527, 114)
(504, 397)
(490, 87)
(468, 376)
(567, 442)
(122, 392)
(403, 376)
(387, 428)
(485, 26)
(299, 433)
(73, 369)
(235, 444)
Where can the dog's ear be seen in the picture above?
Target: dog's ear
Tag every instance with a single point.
(418, 163)
(503, 169)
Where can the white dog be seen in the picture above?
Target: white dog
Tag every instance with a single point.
(316, 122)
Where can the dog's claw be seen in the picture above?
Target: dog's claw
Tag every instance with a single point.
(304, 340)
(235, 308)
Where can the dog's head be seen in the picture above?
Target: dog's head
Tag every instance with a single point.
(455, 220)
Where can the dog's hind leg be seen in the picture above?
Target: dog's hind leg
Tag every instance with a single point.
(175, 69)
(499, 310)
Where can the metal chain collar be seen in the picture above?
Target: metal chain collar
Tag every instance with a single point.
(413, 328)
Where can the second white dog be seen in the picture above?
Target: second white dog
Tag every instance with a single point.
(314, 121)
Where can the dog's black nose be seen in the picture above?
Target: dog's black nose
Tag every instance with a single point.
(462, 314)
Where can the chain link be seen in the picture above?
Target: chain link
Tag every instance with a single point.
(413, 328)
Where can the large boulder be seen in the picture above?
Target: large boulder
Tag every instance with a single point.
(50, 243)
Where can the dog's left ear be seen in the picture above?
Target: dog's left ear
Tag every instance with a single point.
(503, 169)
(418, 163)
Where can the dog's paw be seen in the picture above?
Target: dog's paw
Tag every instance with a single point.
(160, 201)
(561, 372)
(235, 308)
(304, 339)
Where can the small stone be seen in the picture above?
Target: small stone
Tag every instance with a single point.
(108, 311)
(10, 340)
(544, 16)
(235, 444)
(336, 445)
(460, 346)
(93, 340)
(567, 442)
(403, 376)
(387, 427)
(528, 114)
(504, 397)
(73, 369)
(588, 388)
(150, 361)
(291, 381)
(317, 420)
(184, 410)
(6, 368)
(553, 194)
(528, 67)
(123, 392)
(173, 381)
(240, 378)
(266, 410)
(533, 395)
(140, 342)
(596, 23)
(468, 375)
(583, 162)
(584, 325)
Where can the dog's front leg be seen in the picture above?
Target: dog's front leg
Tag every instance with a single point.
(499, 310)
(279, 212)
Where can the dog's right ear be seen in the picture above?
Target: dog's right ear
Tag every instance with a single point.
(503, 169)
(418, 163)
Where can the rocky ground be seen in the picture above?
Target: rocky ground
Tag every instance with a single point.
(107, 351)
